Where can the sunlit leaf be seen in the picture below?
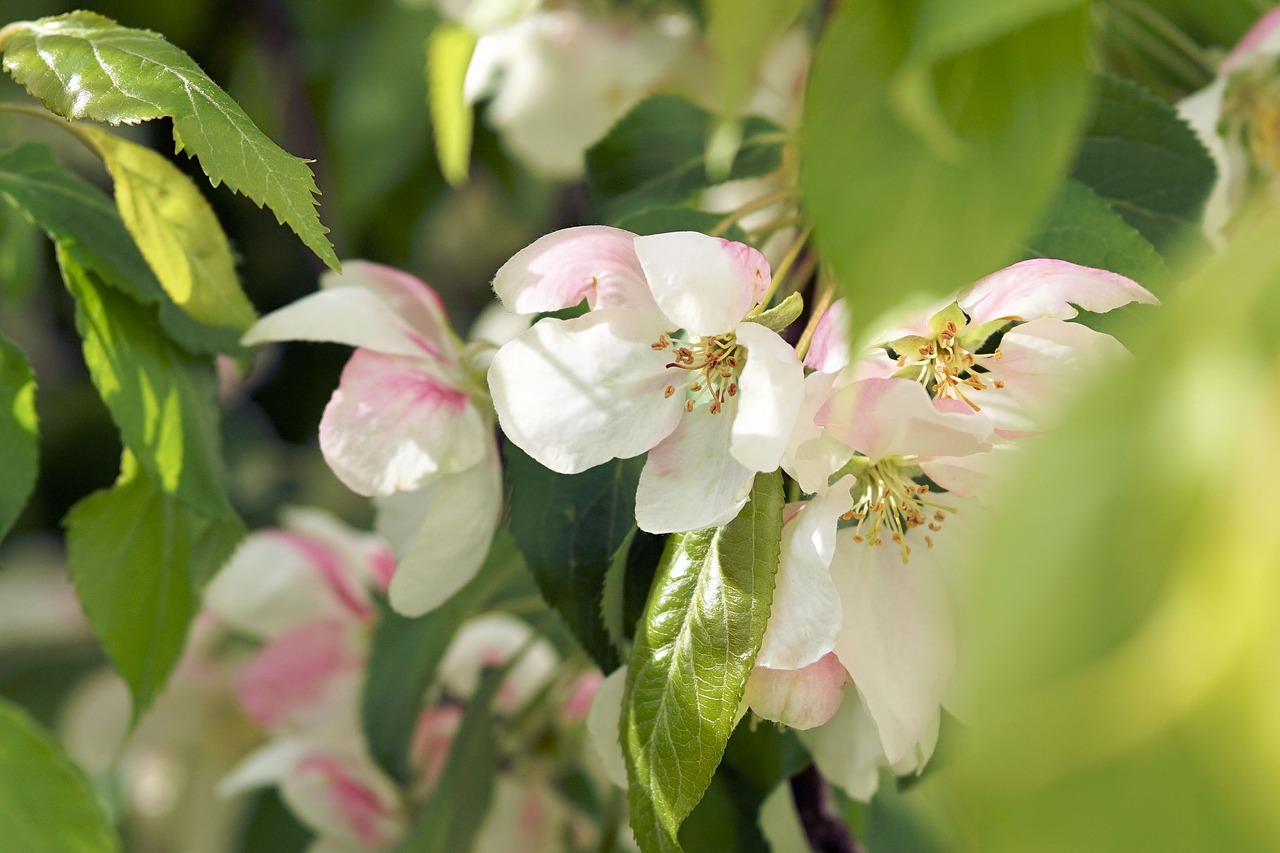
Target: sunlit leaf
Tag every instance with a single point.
(449, 52)
(19, 447)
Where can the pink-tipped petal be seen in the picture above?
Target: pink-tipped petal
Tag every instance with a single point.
(1043, 287)
(829, 346)
(304, 678)
(770, 394)
(393, 423)
(800, 698)
(591, 262)
(344, 797)
(432, 739)
(410, 298)
(1262, 39)
(344, 315)
(847, 749)
(704, 285)
(895, 417)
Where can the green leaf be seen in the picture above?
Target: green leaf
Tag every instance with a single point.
(139, 559)
(694, 651)
(177, 231)
(1083, 228)
(455, 812)
(19, 445)
(898, 210)
(449, 50)
(46, 803)
(86, 66)
(82, 220)
(781, 315)
(740, 33)
(406, 652)
(661, 220)
(163, 400)
(947, 27)
(1140, 156)
(655, 156)
(568, 527)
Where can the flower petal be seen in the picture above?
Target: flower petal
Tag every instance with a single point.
(576, 393)
(344, 315)
(410, 298)
(1043, 287)
(591, 262)
(895, 417)
(847, 749)
(489, 641)
(1262, 39)
(829, 346)
(453, 540)
(603, 726)
(344, 796)
(813, 455)
(770, 394)
(690, 480)
(898, 641)
(806, 616)
(394, 422)
(704, 285)
(800, 698)
(307, 677)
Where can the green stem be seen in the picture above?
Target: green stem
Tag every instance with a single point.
(826, 290)
(788, 260)
(1170, 32)
(764, 201)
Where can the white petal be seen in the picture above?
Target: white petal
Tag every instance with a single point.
(410, 298)
(1261, 41)
(345, 796)
(345, 315)
(591, 262)
(263, 767)
(770, 394)
(394, 422)
(704, 285)
(690, 480)
(780, 823)
(895, 417)
(524, 817)
(806, 615)
(491, 640)
(497, 325)
(829, 346)
(801, 698)
(813, 455)
(453, 540)
(898, 641)
(576, 393)
(604, 726)
(1043, 287)
(847, 749)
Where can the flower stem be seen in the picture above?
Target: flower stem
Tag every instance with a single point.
(788, 260)
(826, 289)
(766, 200)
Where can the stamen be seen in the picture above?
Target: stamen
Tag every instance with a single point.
(668, 391)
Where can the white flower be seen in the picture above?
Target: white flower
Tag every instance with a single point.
(663, 362)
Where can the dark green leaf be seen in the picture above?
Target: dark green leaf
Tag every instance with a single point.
(655, 156)
(82, 220)
(693, 653)
(46, 803)
(139, 559)
(406, 652)
(1082, 228)
(86, 66)
(19, 447)
(660, 220)
(906, 201)
(163, 400)
(568, 527)
(1147, 162)
(643, 558)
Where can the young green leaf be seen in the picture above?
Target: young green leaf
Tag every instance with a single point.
(176, 230)
(900, 209)
(568, 527)
(46, 803)
(86, 225)
(139, 559)
(19, 447)
(693, 653)
(449, 50)
(163, 400)
(86, 66)
(656, 155)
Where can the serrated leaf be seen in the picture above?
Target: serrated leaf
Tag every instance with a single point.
(406, 652)
(19, 445)
(1084, 229)
(46, 803)
(449, 50)
(86, 66)
(568, 527)
(661, 220)
(1140, 156)
(139, 559)
(82, 220)
(163, 400)
(655, 156)
(693, 653)
(177, 232)
(878, 185)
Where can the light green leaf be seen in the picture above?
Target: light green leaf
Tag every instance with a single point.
(163, 400)
(739, 34)
(86, 66)
(19, 447)
(85, 224)
(693, 653)
(781, 315)
(947, 27)
(46, 803)
(176, 230)
(449, 50)
(897, 213)
(139, 559)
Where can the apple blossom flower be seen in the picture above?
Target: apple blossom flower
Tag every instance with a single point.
(666, 360)
(408, 423)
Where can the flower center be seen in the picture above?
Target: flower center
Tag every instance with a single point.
(947, 362)
(888, 502)
(711, 366)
